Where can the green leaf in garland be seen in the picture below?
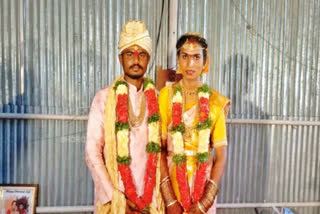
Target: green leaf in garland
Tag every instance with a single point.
(177, 89)
(205, 89)
(146, 82)
(178, 128)
(205, 125)
(178, 159)
(203, 157)
(147, 208)
(153, 147)
(122, 126)
(154, 118)
(120, 82)
(124, 160)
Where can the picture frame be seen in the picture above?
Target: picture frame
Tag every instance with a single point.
(18, 198)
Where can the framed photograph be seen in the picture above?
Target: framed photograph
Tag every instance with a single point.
(18, 198)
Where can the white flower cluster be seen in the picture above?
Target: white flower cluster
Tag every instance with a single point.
(122, 89)
(204, 136)
(178, 144)
(177, 98)
(153, 132)
(123, 141)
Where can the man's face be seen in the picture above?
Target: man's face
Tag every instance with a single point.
(134, 61)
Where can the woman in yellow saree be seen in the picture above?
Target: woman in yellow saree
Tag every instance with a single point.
(192, 125)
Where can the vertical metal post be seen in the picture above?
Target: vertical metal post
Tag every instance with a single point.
(21, 44)
(173, 18)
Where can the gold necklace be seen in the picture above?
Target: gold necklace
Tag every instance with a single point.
(189, 91)
(137, 120)
(187, 135)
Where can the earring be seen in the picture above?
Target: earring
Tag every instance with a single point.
(178, 70)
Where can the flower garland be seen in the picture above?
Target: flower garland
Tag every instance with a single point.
(179, 157)
(152, 148)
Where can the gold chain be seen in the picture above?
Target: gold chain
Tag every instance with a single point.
(137, 120)
(189, 91)
(187, 135)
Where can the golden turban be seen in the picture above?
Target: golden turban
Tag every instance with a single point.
(135, 33)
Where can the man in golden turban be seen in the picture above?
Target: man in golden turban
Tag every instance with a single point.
(123, 142)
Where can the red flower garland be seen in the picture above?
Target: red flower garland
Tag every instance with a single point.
(129, 187)
(204, 109)
(122, 108)
(149, 179)
(200, 179)
(184, 189)
(125, 171)
(152, 102)
(181, 171)
(176, 114)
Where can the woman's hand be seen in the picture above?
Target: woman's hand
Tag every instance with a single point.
(131, 208)
(195, 209)
(175, 208)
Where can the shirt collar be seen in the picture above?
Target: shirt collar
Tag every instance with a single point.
(133, 88)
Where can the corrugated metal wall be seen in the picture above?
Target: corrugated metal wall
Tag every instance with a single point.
(69, 51)
(265, 56)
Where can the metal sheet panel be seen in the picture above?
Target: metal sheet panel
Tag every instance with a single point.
(10, 100)
(68, 52)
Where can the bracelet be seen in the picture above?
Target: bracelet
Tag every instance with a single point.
(171, 203)
(166, 179)
(208, 196)
(201, 208)
(214, 183)
(167, 195)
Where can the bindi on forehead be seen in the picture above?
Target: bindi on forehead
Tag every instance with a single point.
(191, 40)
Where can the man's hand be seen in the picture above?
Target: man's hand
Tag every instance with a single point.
(194, 209)
(131, 208)
(175, 208)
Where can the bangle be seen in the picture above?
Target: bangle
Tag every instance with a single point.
(166, 179)
(167, 194)
(214, 183)
(208, 196)
(201, 208)
(171, 203)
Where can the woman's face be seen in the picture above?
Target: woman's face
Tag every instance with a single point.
(14, 206)
(21, 206)
(191, 60)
